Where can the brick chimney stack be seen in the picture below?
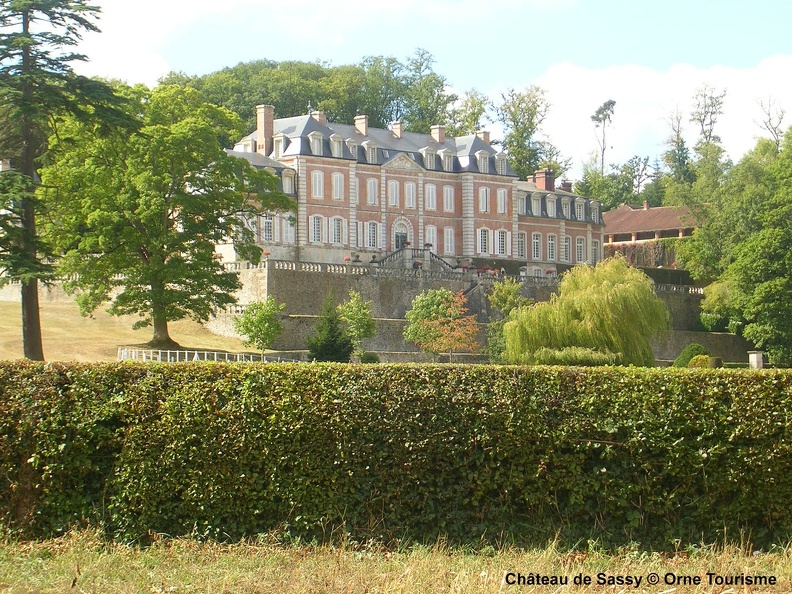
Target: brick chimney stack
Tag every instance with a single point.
(545, 180)
(361, 124)
(484, 135)
(320, 117)
(397, 128)
(438, 134)
(265, 127)
(646, 205)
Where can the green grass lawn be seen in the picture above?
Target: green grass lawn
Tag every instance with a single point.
(68, 336)
(82, 562)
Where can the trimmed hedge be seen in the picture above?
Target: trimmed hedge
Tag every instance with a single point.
(394, 452)
(688, 353)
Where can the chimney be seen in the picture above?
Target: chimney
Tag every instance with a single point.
(438, 134)
(265, 128)
(396, 127)
(646, 205)
(361, 124)
(566, 186)
(544, 180)
(320, 117)
(484, 135)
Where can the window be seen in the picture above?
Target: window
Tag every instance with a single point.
(536, 246)
(336, 147)
(448, 199)
(537, 272)
(579, 211)
(580, 249)
(338, 186)
(565, 209)
(500, 165)
(483, 241)
(429, 160)
(288, 230)
(521, 206)
(372, 191)
(316, 143)
(448, 241)
(352, 146)
(503, 201)
(521, 246)
(551, 247)
(483, 163)
(409, 195)
(393, 193)
(551, 207)
(337, 230)
(431, 237)
(371, 235)
(266, 228)
(448, 163)
(288, 184)
(536, 207)
(317, 184)
(431, 197)
(277, 150)
(371, 154)
(594, 213)
(484, 198)
(316, 229)
(594, 251)
(501, 243)
(566, 249)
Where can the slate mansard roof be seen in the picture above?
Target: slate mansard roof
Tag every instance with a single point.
(464, 149)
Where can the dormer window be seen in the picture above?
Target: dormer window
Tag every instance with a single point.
(579, 211)
(483, 161)
(536, 206)
(448, 163)
(278, 146)
(565, 208)
(316, 143)
(430, 159)
(371, 152)
(551, 207)
(352, 146)
(500, 164)
(336, 146)
(288, 183)
(594, 213)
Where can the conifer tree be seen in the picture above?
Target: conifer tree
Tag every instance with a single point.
(329, 341)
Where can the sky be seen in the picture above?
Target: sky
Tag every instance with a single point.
(649, 57)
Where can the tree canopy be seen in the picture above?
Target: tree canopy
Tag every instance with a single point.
(137, 217)
(37, 86)
(610, 309)
(259, 323)
(438, 322)
(356, 314)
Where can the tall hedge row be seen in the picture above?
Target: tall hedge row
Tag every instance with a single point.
(394, 452)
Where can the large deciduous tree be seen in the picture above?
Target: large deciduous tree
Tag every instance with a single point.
(601, 118)
(259, 323)
(521, 114)
(360, 325)
(37, 85)
(137, 217)
(439, 323)
(610, 309)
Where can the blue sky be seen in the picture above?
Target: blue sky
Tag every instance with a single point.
(648, 57)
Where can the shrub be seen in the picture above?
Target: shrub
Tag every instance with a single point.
(369, 358)
(699, 362)
(578, 356)
(688, 353)
(398, 452)
(329, 342)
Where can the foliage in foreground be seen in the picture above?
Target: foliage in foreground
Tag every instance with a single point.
(393, 452)
(611, 309)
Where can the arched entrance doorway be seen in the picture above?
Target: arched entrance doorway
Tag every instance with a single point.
(400, 233)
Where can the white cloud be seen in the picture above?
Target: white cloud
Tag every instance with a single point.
(646, 98)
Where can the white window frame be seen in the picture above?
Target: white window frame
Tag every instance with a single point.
(316, 229)
(536, 207)
(580, 250)
(289, 230)
(336, 146)
(484, 199)
(372, 190)
(501, 242)
(595, 245)
(338, 186)
(449, 235)
(448, 199)
(579, 211)
(430, 236)
(483, 162)
(536, 246)
(409, 195)
(565, 208)
(503, 201)
(287, 183)
(522, 240)
(551, 207)
(267, 227)
(483, 241)
(393, 193)
(336, 231)
(372, 232)
(317, 184)
(594, 213)
(430, 197)
(566, 248)
(500, 165)
(316, 143)
(551, 247)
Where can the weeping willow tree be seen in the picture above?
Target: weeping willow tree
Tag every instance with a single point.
(610, 311)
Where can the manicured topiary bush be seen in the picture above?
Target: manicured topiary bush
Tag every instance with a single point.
(699, 362)
(688, 353)
(395, 452)
(369, 357)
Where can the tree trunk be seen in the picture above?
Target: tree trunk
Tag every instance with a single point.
(161, 336)
(31, 323)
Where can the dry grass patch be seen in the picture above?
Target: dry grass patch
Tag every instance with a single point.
(68, 336)
(82, 562)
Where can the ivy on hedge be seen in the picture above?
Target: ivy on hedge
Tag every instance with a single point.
(655, 456)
